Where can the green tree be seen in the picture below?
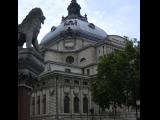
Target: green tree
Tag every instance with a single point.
(118, 78)
(108, 88)
(133, 75)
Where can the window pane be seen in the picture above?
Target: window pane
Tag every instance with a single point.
(66, 104)
(85, 105)
(70, 59)
(88, 71)
(38, 105)
(76, 105)
(44, 104)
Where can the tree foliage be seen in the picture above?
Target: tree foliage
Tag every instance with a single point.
(117, 78)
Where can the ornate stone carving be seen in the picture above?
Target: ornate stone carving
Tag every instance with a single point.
(29, 29)
(30, 65)
(70, 23)
(53, 28)
(76, 90)
(66, 89)
(91, 25)
(26, 77)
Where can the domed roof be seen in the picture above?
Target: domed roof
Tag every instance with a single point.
(74, 25)
(78, 27)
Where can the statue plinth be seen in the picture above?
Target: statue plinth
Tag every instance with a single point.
(30, 61)
(30, 65)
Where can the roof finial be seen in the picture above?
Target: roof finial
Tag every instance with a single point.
(75, 1)
(85, 15)
(74, 8)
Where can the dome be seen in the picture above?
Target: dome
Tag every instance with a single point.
(74, 25)
(78, 28)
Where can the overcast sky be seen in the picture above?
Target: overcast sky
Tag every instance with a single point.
(119, 17)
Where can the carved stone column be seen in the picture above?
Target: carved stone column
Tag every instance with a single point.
(30, 65)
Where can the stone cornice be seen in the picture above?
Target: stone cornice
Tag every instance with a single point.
(75, 51)
(70, 65)
(56, 72)
(31, 60)
(30, 51)
(110, 43)
(24, 85)
(63, 64)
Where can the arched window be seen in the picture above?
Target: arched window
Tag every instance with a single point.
(85, 105)
(44, 104)
(88, 71)
(76, 105)
(66, 104)
(82, 59)
(38, 105)
(91, 25)
(70, 59)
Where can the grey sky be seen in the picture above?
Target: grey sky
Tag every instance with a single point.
(120, 17)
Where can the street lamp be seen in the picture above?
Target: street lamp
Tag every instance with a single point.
(138, 106)
(92, 112)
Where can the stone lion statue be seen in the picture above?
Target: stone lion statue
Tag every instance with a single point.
(30, 27)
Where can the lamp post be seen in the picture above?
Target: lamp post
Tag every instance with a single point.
(92, 112)
(137, 109)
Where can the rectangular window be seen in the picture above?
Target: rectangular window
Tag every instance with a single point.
(83, 71)
(76, 82)
(88, 71)
(68, 70)
(38, 105)
(103, 50)
(44, 104)
(33, 105)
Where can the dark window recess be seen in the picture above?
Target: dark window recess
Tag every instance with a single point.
(38, 105)
(85, 105)
(66, 104)
(76, 105)
(83, 71)
(88, 71)
(44, 104)
(76, 82)
(69, 59)
(103, 50)
(43, 83)
(85, 83)
(66, 80)
(53, 28)
(91, 25)
(68, 70)
(82, 59)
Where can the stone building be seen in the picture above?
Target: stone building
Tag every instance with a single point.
(71, 53)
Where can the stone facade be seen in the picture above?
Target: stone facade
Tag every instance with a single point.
(64, 87)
